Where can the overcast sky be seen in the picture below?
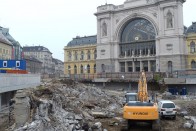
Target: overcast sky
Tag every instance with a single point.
(53, 23)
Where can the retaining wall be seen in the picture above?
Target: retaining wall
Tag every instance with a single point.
(11, 82)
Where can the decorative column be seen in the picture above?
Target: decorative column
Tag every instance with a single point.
(149, 65)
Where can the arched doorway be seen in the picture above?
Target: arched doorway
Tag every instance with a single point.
(137, 46)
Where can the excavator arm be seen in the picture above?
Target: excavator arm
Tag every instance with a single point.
(142, 88)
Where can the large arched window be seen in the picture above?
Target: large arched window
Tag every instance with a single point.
(192, 47)
(138, 38)
(193, 64)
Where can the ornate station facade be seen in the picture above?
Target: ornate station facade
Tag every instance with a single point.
(141, 34)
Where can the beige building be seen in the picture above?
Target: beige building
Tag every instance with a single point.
(41, 53)
(5, 48)
(191, 46)
(80, 56)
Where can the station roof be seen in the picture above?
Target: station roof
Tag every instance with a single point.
(86, 40)
(192, 28)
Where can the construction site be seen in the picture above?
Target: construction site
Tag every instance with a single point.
(69, 105)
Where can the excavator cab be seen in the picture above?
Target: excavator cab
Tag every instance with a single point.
(130, 97)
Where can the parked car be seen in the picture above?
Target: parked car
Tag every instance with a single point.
(167, 108)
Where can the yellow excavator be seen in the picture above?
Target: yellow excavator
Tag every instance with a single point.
(142, 109)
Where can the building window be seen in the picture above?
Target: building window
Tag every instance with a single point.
(88, 68)
(81, 69)
(170, 66)
(17, 63)
(95, 54)
(95, 68)
(69, 70)
(193, 64)
(82, 55)
(122, 67)
(130, 68)
(89, 55)
(75, 69)
(69, 55)
(192, 47)
(4, 63)
(169, 46)
(103, 68)
(76, 55)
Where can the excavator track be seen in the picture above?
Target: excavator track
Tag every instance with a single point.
(156, 126)
(131, 125)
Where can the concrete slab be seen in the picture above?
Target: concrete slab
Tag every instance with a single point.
(175, 81)
(101, 80)
(11, 82)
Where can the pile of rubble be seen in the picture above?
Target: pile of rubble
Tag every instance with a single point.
(66, 105)
(187, 111)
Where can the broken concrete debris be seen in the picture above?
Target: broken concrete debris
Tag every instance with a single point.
(65, 106)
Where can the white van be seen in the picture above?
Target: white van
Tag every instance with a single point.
(167, 108)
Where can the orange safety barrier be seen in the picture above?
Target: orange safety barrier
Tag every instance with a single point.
(17, 71)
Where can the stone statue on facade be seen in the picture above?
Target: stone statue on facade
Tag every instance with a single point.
(133, 53)
(148, 52)
(169, 20)
(140, 52)
(104, 29)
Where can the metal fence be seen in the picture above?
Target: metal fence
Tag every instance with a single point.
(116, 76)
(191, 73)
